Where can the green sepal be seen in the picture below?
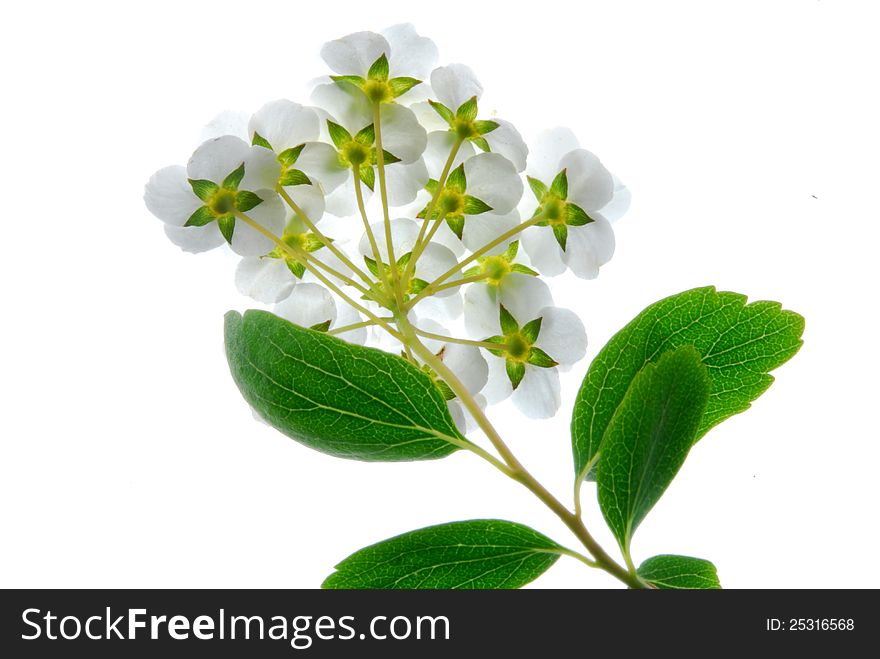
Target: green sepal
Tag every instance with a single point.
(485, 126)
(259, 140)
(467, 110)
(226, 224)
(515, 372)
(297, 268)
(445, 390)
(338, 134)
(246, 200)
(523, 269)
(416, 286)
(321, 327)
(200, 218)
(456, 224)
(366, 135)
(313, 243)
(509, 325)
(560, 232)
(294, 177)
(431, 186)
(372, 265)
(511, 251)
(389, 157)
(575, 216)
(472, 272)
(368, 176)
(288, 157)
(231, 182)
(499, 351)
(531, 330)
(203, 189)
(538, 188)
(457, 180)
(481, 143)
(474, 206)
(379, 69)
(541, 359)
(559, 187)
(357, 81)
(400, 86)
(445, 113)
(404, 260)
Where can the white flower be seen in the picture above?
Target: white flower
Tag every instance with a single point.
(312, 306)
(572, 188)
(408, 53)
(230, 177)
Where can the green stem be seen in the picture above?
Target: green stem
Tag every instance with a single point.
(354, 326)
(451, 339)
(359, 194)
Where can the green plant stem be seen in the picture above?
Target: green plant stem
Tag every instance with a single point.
(451, 339)
(374, 247)
(507, 235)
(458, 282)
(354, 326)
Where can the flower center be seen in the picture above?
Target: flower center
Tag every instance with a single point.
(296, 240)
(495, 268)
(223, 202)
(354, 153)
(518, 348)
(464, 128)
(378, 91)
(451, 202)
(554, 210)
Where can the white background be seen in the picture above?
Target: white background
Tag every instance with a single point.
(747, 132)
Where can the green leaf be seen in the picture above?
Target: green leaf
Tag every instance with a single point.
(467, 110)
(245, 201)
(379, 69)
(231, 182)
(447, 114)
(559, 186)
(366, 135)
(474, 206)
(400, 86)
(203, 189)
(200, 217)
(456, 224)
(357, 81)
(575, 215)
(649, 438)
(336, 397)
(541, 359)
(288, 157)
(538, 188)
(476, 554)
(679, 572)
(740, 345)
(560, 232)
(368, 176)
(485, 126)
(482, 143)
(259, 140)
(507, 321)
(226, 224)
(338, 134)
(523, 269)
(457, 180)
(515, 372)
(532, 329)
(294, 177)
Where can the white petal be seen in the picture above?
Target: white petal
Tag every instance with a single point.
(402, 134)
(442, 308)
(538, 394)
(411, 55)
(507, 141)
(434, 261)
(261, 170)
(215, 159)
(524, 296)
(346, 315)
(590, 185)
(481, 312)
(226, 123)
(320, 162)
(264, 279)
(247, 241)
(562, 335)
(308, 305)
(480, 230)
(549, 147)
(589, 246)
(543, 250)
(619, 204)
(440, 143)
(346, 104)
(445, 237)
(428, 117)
(432, 326)
(284, 124)
(456, 411)
(405, 181)
(329, 259)
(310, 200)
(342, 201)
(493, 179)
(169, 196)
(355, 53)
(403, 234)
(468, 364)
(498, 386)
(195, 239)
(455, 84)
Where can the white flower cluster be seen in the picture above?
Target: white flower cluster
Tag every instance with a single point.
(471, 220)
